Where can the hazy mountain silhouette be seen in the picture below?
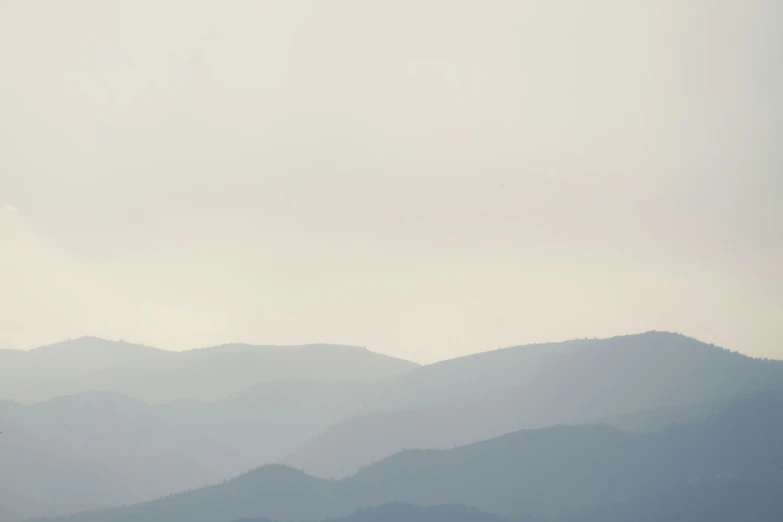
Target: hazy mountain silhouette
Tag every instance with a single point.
(270, 420)
(546, 472)
(658, 419)
(131, 451)
(214, 440)
(485, 395)
(157, 376)
(189, 443)
(66, 368)
(717, 499)
(99, 449)
(92, 449)
(720, 499)
(400, 512)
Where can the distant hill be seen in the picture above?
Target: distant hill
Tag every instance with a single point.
(327, 426)
(658, 419)
(114, 450)
(721, 499)
(157, 376)
(399, 512)
(550, 473)
(98, 450)
(715, 499)
(130, 451)
(272, 419)
(481, 396)
(213, 441)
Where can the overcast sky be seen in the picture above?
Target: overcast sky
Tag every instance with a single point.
(427, 178)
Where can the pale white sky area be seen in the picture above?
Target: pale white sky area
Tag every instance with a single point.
(426, 178)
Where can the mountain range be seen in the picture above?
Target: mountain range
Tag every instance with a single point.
(549, 473)
(327, 411)
(158, 376)
(398, 511)
(484, 395)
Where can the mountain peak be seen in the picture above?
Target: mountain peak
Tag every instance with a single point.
(89, 344)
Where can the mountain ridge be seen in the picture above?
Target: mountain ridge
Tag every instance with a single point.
(445, 405)
(158, 376)
(543, 472)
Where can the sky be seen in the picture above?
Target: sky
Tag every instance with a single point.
(425, 178)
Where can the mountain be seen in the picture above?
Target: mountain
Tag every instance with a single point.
(214, 440)
(399, 512)
(189, 443)
(98, 450)
(658, 419)
(717, 499)
(722, 499)
(481, 396)
(66, 368)
(129, 451)
(270, 420)
(552, 473)
(121, 451)
(158, 376)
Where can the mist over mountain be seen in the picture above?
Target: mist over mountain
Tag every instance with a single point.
(157, 376)
(113, 450)
(97, 450)
(485, 395)
(391, 261)
(270, 420)
(547, 473)
(134, 451)
(91, 449)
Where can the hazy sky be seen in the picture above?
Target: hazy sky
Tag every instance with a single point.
(426, 178)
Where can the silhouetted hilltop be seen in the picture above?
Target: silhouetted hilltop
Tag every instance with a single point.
(95, 347)
(505, 368)
(157, 376)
